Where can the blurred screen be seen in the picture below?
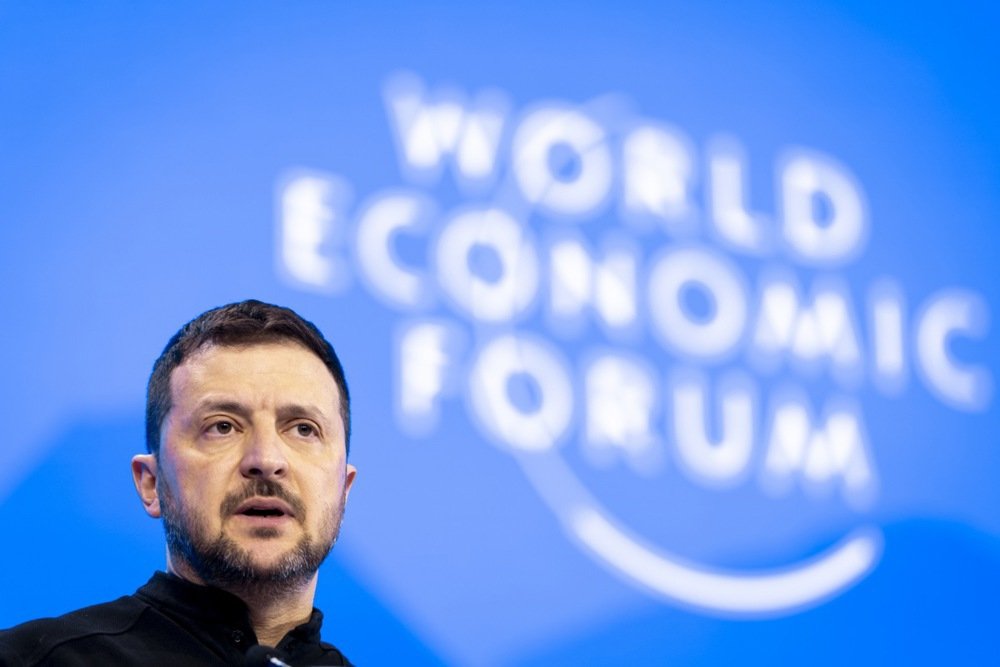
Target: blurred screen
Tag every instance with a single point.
(670, 330)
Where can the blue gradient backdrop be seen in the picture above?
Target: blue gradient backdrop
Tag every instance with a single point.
(140, 148)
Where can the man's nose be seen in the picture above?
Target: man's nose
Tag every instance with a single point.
(264, 455)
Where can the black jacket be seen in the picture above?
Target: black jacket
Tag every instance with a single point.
(169, 622)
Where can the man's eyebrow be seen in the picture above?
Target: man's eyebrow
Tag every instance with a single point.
(295, 410)
(232, 407)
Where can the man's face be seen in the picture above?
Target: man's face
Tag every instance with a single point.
(252, 477)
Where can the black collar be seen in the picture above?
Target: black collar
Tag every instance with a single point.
(206, 606)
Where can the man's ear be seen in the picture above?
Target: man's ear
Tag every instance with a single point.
(349, 480)
(144, 475)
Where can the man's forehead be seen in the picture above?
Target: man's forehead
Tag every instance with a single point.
(281, 361)
(212, 346)
(212, 350)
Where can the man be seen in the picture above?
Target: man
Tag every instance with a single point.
(247, 431)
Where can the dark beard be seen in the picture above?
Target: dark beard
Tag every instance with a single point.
(222, 563)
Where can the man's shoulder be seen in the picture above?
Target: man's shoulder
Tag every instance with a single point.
(333, 656)
(33, 642)
(326, 654)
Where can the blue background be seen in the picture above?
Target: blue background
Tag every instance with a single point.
(140, 147)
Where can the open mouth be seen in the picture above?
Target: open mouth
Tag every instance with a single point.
(264, 508)
(254, 511)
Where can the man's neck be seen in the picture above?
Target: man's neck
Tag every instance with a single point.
(274, 611)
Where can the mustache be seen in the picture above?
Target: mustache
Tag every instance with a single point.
(262, 488)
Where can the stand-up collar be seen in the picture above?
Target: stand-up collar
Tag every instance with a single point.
(206, 606)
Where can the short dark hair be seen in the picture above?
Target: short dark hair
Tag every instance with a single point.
(248, 322)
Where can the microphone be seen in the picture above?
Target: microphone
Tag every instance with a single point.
(262, 656)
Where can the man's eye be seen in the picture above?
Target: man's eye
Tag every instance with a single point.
(305, 430)
(222, 428)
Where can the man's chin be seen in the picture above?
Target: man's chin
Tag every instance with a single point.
(269, 564)
(271, 561)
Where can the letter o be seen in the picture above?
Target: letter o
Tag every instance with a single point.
(713, 337)
(500, 360)
(533, 142)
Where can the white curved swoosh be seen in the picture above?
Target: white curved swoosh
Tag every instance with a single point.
(733, 592)
(746, 593)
